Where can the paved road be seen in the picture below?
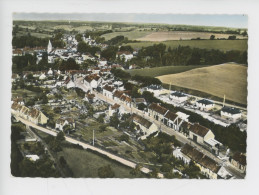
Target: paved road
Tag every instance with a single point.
(84, 145)
(180, 137)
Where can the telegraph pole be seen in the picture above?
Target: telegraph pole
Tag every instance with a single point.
(93, 137)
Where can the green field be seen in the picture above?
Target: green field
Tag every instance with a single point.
(218, 80)
(86, 164)
(132, 35)
(158, 71)
(223, 45)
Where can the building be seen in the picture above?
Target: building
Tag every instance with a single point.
(233, 114)
(31, 114)
(199, 133)
(61, 122)
(49, 47)
(239, 161)
(205, 104)
(208, 166)
(126, 55)
(172, 120)
(108, 91)
(157, 112)
(144, 126)
(92, 81)
(178, 97)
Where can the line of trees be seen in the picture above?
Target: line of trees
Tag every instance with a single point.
(157, 55)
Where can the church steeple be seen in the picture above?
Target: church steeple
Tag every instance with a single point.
(49, 47)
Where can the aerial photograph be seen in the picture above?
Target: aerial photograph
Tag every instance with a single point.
(119, 95)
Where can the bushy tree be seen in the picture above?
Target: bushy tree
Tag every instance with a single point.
(106, 172)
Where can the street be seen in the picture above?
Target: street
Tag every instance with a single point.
(180, 137)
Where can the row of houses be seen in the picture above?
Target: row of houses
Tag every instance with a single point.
(208, 166)
(32, 114)
(179, 122)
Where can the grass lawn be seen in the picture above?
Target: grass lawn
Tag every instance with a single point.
(158, 71)
(223, 45)
(86, 164)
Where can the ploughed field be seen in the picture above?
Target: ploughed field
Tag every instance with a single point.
(183, 35)
(229, 79)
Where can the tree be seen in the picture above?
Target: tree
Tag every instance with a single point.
(212, 37)
(114, 121)
(102, 128)
(124, 137)
(100, 119)
(106, 172)
(136, 171)
(78, 37)
(60, 136)
(67, 129)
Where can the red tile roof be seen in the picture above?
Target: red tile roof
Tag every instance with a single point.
(199, 129)
(157, 108)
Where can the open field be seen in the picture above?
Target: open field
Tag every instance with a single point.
(86, 164)
(183, 35)
(158, 71)
(132, 35)
(70, 28)
(223, 45)
(228, 79)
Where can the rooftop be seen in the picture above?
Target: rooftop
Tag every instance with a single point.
(199, 129)
(158, 108)
(144, 122)
(178, 94)
(200, 158)
(205, 102)
(230, 110)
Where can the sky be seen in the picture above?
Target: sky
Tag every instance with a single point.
(224, 20)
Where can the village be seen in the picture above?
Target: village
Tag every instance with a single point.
(97, 106)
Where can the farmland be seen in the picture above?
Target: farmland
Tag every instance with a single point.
(132, 35)
(228, 79)
(183, 35)
(223, 45)
(158, 71)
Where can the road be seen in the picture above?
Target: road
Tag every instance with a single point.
(47, 147)
(179, 136)
(87, 146)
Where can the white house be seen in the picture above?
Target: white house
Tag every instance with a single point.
(233, 114)
(92, 81)
(146, 127)
(126, 55)
(61, 122)
(50, 72)
(172, 120)
(205, 104)
(108, 91)
(178, 97)
(32, 157)
(42, 76)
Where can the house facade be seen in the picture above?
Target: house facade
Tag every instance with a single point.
(178, 97)
(233, 114)
(157, 112)
(205, 105)
(146, 127)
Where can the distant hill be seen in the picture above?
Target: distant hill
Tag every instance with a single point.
(229, 79)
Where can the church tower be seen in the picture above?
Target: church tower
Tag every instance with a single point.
(49, 47)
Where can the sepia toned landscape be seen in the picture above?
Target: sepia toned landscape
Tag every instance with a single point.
(100, 99)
